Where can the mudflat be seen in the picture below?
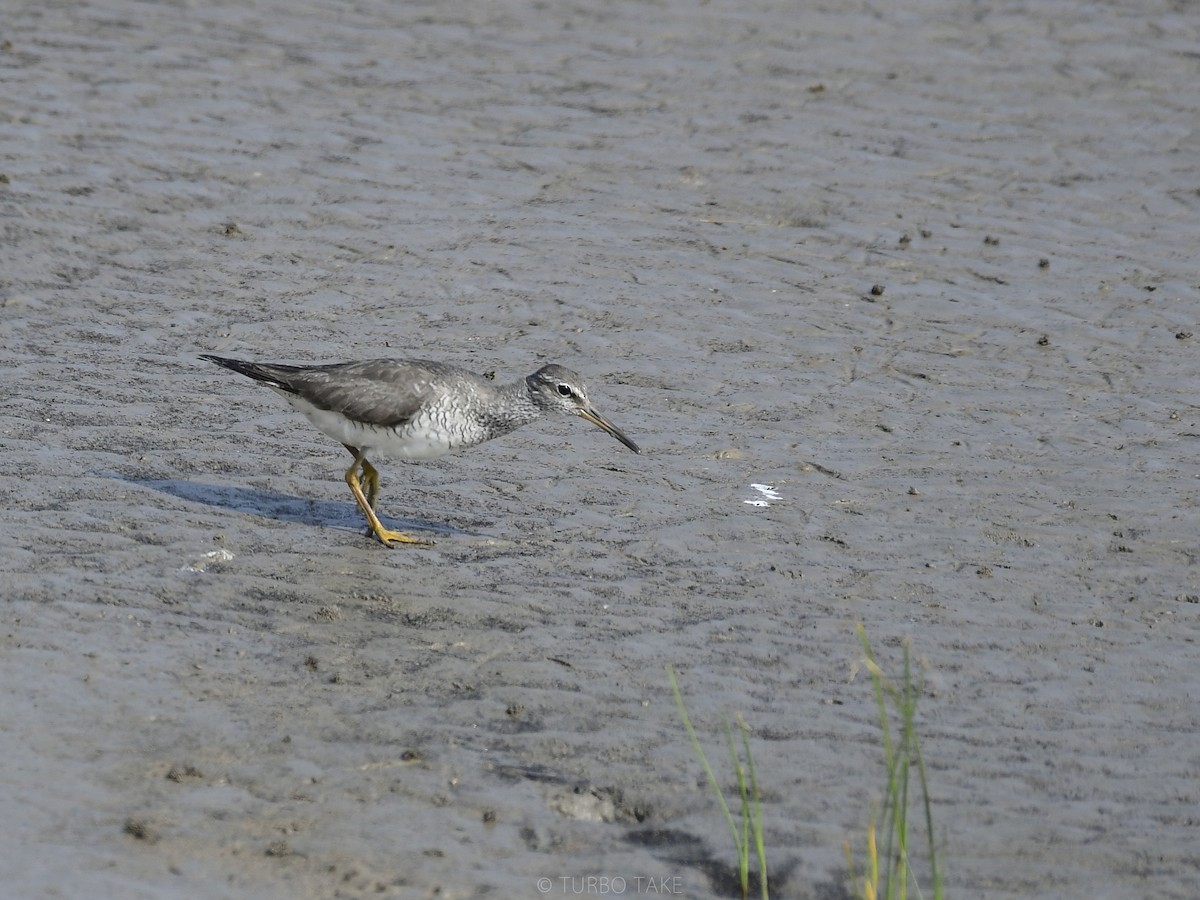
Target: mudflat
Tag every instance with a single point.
(900, 302)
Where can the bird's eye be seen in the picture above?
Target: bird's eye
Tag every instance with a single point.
(564, 390)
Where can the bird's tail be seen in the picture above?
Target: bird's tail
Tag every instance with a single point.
(275, 375)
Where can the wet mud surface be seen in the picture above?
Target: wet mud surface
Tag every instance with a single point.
(899, 301)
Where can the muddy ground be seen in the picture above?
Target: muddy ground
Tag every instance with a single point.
(927, 271)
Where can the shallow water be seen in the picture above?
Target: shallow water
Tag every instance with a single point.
(223, 688)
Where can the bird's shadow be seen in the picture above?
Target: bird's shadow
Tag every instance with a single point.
(281, 507)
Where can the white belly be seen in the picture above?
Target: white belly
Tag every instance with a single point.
(423, 438)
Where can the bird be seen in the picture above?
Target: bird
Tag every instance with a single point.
(415, 409)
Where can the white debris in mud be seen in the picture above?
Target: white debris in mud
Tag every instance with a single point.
(768, 493)
(202, 564)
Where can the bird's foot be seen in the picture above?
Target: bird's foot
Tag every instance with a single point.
(391, 538)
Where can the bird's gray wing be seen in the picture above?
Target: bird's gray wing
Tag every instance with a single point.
(383, 392)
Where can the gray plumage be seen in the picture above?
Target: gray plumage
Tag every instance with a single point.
(396, 394)
(417, 409)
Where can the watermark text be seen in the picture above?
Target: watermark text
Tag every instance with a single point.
(582, 885)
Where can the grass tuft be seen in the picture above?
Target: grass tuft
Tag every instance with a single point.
(749, 816)
(889, 875)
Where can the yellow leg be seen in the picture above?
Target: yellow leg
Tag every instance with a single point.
(370, 475)
(386, 537)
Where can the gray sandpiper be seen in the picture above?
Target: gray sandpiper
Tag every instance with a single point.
(416, 409)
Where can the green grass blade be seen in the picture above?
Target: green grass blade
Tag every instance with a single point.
(699, 750)
(744, 844)
(747, 781)
(759, 840)
(900, 758)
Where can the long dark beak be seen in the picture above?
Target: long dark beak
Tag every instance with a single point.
(596, 419)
